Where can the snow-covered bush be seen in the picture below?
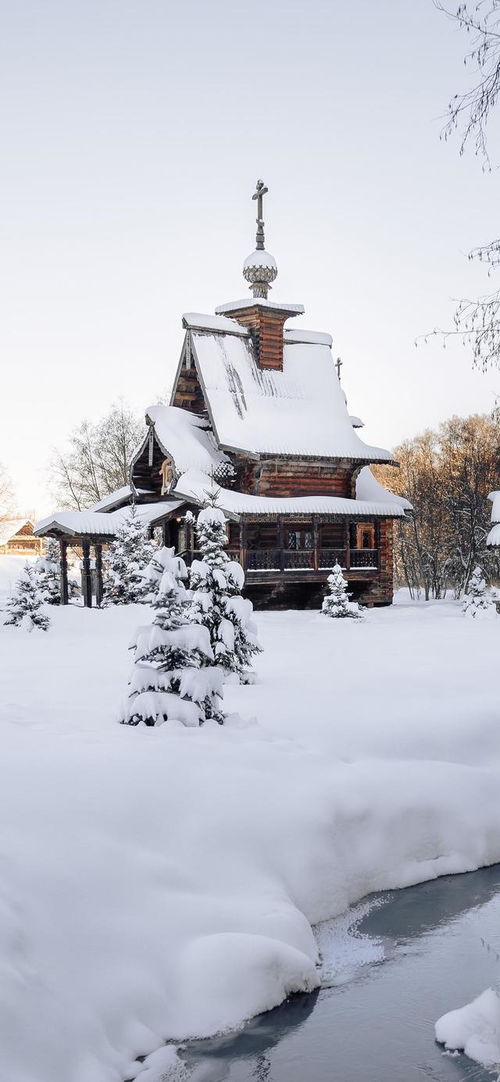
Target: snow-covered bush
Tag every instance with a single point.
(216, 583)
(125, 561)
(336, 602)
(174, 677)
(478, 600)
(25, 607)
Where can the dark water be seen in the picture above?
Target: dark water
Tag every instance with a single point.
(439, 944)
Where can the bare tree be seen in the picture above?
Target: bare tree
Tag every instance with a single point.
(95, 462)
(6, 493)
(477, 321)
(447, 474)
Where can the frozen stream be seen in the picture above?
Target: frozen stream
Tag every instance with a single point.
(390, 971)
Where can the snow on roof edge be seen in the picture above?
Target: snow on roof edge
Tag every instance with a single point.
(195, 486)
(200, 322)
(252, 302)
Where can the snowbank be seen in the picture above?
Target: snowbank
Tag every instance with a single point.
(474, 1029)
(161, 883)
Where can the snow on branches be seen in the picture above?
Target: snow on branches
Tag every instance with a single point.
(216, 582)
(49, 572)
(25, 607)
(478, 600)
(125, 561)
(336, 602)
(174, 678)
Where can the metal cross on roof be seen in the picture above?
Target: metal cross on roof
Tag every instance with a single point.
(259, 194)
(338, 366)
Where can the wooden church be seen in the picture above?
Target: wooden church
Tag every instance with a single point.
(258, 414)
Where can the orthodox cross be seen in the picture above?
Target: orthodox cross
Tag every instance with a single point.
(259, 194)
(338, 366)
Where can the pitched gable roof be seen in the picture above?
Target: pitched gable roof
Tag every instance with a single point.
(298, 411)
(187, 438)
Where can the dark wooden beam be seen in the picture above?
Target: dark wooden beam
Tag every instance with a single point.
(63, 565)
(99, 589)
(86, 575)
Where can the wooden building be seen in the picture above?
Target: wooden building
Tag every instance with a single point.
(258, 414)
(18, 539)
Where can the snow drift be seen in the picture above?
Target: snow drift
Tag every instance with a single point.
(161, 883)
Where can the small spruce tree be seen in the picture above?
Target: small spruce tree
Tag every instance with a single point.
(125, 561)
(478, 600)
(216, 583)
(173, 678)
(25, 607)
(336, 602)
(48, 570)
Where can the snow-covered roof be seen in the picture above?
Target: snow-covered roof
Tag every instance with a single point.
(493, 537)
(317, 338)
(368, 488)
(100, 523)
(195, 486)
(187, 438)
(251, 302)
(214, 323)
(298, 411)
(9, 527)
(114, 499)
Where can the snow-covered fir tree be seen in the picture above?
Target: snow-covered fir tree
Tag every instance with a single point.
(478, 600)
(25, 607)
(174, 677)
(162, 559)
(125, 562)
(336, 602)
(48, 569)
(216, 583)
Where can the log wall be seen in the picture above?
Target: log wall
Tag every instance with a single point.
(289, 477)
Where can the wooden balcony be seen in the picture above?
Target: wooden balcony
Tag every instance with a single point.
(301, 565)
(312, 562)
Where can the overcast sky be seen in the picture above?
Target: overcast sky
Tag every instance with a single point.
(132, 134)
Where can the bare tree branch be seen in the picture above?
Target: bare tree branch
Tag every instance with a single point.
(95, 462)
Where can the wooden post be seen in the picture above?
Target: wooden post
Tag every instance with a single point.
(164, 534)
(347, 546)
(243, 544)
(87, 579)
(281, 544)
(63, 565)
(98, 574)
(316, 560)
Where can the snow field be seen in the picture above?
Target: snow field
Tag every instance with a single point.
(161, 883)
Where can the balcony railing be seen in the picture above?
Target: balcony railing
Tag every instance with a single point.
(310, 559)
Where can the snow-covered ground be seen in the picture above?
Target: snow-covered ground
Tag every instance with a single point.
(161, 883)
(474, 1029)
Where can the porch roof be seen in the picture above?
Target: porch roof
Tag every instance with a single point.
(102, 524)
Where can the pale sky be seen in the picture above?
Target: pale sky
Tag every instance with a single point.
(132, 134)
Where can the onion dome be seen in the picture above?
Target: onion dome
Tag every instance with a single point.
(260, 270)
